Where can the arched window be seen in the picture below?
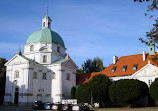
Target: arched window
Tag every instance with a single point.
(58, 49)
(43, 24)
(48, 24)
(32, 48)
(68, 76)
(16, 75)
(44, 76)
(34, 75)
(44, 58)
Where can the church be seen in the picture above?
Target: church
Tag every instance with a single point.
(42, 72)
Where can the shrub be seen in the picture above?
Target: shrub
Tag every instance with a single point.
(72, 93)
(83, 94)
(154, 90)
(99, 86)
(127, 91)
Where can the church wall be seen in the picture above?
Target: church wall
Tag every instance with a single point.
(56, 83)
(68, 84)
(12, 82)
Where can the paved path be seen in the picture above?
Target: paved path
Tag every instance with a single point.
(20, 108)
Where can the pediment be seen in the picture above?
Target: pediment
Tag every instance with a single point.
(147, 71)
(70, 63)
(16, 60)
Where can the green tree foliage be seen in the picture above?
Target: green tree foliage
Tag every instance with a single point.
(127, 91)
(98, 85)
(95, 65)
(72, 94)
(2, 78)
(152, 35)
(83, 94)
(154, 90)
(100, 88)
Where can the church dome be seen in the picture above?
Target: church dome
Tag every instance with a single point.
(45, 35)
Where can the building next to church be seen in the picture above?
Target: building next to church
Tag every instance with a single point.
(43, 72)
(140, 66)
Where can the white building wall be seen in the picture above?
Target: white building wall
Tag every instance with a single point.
(145, 74)
(68, 84)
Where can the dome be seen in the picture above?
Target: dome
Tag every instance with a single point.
(45, 35)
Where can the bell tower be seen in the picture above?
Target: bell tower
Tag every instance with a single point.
(46, 21)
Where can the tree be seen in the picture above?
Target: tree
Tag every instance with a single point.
(154, 90)
(100, 87)
(2, 78)
(127, 91)
(95, 65)
(83, 94)
(72, 94)
(152, 35)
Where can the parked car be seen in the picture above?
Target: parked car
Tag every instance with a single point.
(48, 105)
(37, 105)
(67, 107)
(80, 107)
(57, 107)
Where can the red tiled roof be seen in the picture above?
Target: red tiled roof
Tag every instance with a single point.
(128, 61)
(81, 78)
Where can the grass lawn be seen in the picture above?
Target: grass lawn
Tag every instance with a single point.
(127, 109)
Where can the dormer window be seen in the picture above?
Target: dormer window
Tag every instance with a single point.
(124, 68)
(32, 48)
(134, 67)
(58, 49)
(113, 69)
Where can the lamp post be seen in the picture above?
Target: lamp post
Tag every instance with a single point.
(91, 99)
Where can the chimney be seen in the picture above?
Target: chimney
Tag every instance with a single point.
(115, 58)
(144, 56)
(157, 51)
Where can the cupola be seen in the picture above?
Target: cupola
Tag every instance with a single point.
(151, 48)
(46, 21)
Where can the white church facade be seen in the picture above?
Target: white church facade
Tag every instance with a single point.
(43, 72)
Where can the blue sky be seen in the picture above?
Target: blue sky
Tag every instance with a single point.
(89, 28)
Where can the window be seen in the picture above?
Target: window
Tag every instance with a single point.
(113, 69)
(16, 74)
(53, 75)
(31, 48)
(44, 58)
(43, 24)
(58, 49)
(49, 25)
(134, 67)
(34, 75)
(124, 68)
(44, 76)
(68, 76)
(151, 49)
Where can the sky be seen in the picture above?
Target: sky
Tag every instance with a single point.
(89, 28)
